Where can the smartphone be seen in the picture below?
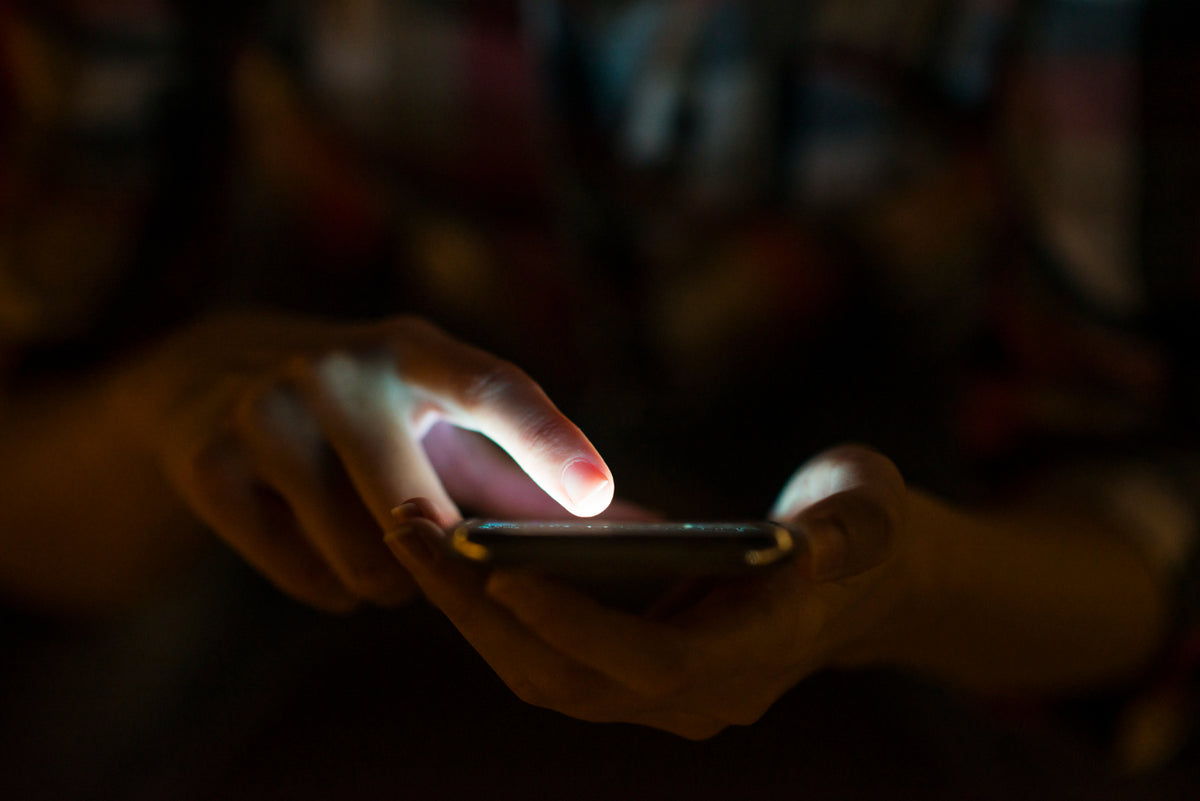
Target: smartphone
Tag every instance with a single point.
(598, 546)
(622, 563)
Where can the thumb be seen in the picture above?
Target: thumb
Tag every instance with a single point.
(847, 504)
(844, 535)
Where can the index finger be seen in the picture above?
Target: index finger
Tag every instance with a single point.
(474, 389)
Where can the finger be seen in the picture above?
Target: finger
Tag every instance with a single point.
(535, 671)
(651, 660)
(272, 543)
(291, 453)
(258, 525)
(840, 469)
(640, 654)
(766, 623)
(362, 408)
(848, 503)
(476, 390)
(482, 477)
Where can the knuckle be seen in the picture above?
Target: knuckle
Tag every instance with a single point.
(268, 407)
(320, 374)
(279, 430)
(396, 331)
(498, 382)
(540, 432)
(338, 380)
(333, 368)
(399, 337)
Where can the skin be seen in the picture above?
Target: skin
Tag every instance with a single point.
(724, 660)
(289, 438)
(297, 441)
(1020, 600)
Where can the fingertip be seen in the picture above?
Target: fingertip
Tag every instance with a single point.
(589, 489)
(596, 502)
(405, 512)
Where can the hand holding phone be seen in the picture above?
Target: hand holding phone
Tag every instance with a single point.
(722, 659)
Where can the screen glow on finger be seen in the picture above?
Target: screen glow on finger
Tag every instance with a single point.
(589, 490)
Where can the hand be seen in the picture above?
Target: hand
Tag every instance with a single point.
(293, 439)
(723, 660)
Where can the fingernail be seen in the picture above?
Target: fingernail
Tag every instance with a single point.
(408, 546)
(585, 486)
(405, 512)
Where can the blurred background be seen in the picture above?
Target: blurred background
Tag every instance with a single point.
(722, 235)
